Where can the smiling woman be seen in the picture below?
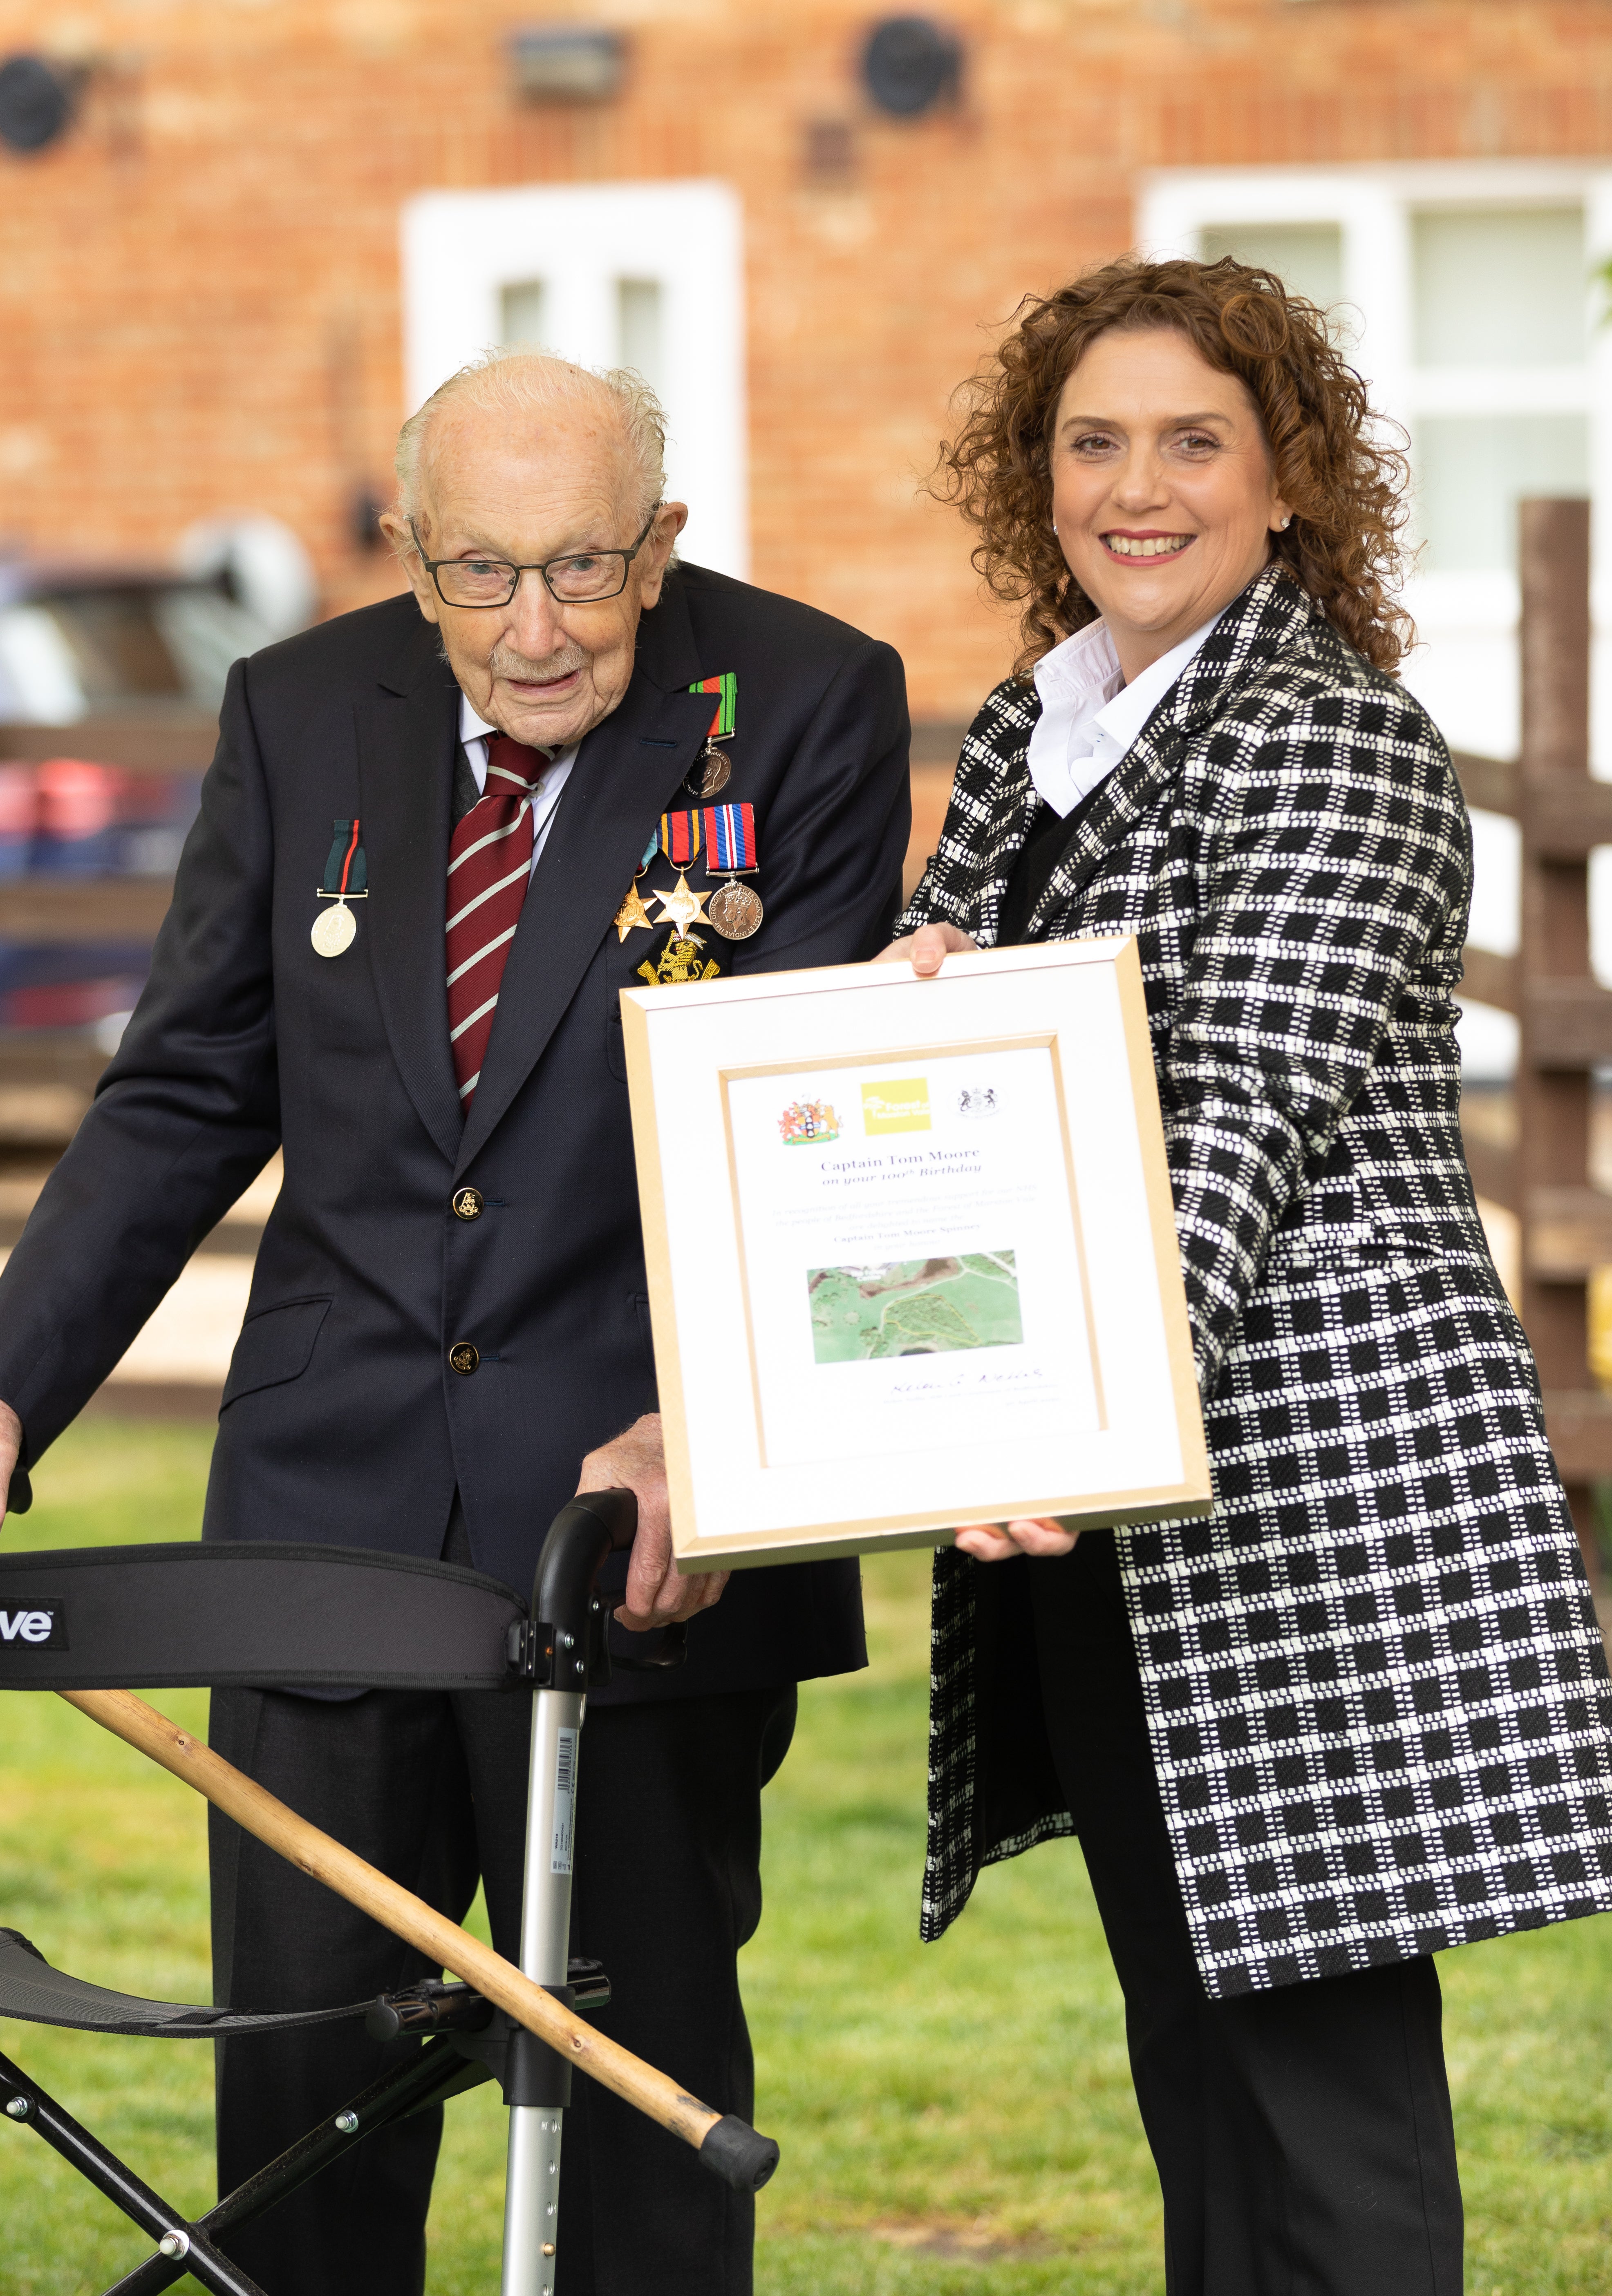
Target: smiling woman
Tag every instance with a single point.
(1289, 1737)
(1279, 389)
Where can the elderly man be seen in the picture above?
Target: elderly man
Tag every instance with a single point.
(449, 1330)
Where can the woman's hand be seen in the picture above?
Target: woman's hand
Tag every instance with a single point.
(927, 947)
(995, 1542)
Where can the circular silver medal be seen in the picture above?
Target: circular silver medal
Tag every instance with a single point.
(710, 773)
(333, 929)
(735, 910)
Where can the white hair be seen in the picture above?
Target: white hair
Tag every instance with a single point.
(534, 383)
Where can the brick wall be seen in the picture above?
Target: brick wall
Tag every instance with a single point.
(199, 304)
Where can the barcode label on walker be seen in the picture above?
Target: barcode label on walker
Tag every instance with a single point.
(564, 1801)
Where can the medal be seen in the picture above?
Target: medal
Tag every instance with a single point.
(710, 770)
(335, 929)
(683, 908)
(730, 848)
(346, 879)
(681, 839)
(631, 913)
(735, 910)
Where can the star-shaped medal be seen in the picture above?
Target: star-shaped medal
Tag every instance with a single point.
(632, 913)
(682, 906)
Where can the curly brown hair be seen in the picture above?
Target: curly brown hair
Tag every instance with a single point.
(1345, 486)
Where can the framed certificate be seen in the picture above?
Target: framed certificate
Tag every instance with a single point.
(912, 1260)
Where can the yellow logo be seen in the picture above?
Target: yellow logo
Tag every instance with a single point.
(902, 1106)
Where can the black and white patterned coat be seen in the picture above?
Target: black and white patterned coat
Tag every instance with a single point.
(1376, 1695)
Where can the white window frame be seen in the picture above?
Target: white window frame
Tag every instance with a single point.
(461, 249)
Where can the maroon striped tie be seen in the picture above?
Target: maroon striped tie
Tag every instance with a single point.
(489, 862)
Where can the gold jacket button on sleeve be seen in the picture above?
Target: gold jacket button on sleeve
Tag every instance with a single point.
(469, 1203)
(462, 1357)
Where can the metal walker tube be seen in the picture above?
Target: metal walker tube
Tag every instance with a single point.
(531, 2201)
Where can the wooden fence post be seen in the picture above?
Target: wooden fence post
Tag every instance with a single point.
(1566, 1018)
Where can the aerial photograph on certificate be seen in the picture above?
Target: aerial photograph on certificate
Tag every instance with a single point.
(915, 1308)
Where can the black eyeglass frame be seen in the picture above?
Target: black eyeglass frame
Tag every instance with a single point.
(490, 606)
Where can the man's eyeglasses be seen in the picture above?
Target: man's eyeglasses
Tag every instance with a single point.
(580, 579)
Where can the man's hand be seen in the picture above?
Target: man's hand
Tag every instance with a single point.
(656, 1597)
(10, 1445)
(995, 1542)
(926, 949)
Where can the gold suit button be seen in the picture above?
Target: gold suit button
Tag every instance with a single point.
(469, 1203)
(462, 1357)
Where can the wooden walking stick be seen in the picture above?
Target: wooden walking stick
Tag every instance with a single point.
(725, 2143)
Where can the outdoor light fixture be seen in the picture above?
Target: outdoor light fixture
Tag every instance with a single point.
(560, 63)
(910, 65)
(37, 102)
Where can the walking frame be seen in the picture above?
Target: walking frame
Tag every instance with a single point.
(90, 1623)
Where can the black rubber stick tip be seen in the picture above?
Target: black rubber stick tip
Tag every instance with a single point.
(733, 2150)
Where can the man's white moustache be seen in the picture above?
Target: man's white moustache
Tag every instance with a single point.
(505, 664)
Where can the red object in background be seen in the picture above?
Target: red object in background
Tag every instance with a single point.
(78, 798)
(67, 1004)
(19, 801)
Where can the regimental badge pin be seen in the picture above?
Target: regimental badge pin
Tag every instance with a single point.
(346, 879)
(679, 961)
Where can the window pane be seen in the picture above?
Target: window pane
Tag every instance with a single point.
(1308, 257)
(1499, 288)
(520, 322)
(1472, 470)
(639, 327)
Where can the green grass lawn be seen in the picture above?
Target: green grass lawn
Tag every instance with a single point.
(955, 2119)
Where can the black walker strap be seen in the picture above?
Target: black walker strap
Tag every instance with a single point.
(207, 1614)
(36, 1993)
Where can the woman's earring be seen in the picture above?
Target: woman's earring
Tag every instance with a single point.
(1286, 523)
(1055, 526)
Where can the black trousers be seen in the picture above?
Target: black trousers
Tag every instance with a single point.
(432, 1789)
(1303, 2136)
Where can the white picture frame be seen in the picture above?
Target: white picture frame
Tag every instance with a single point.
(911, 1253)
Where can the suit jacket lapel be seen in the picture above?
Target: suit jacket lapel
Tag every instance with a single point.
(627, 771)
(1011, 816)
(1122, 800)
(406, 746)
(1254, 628)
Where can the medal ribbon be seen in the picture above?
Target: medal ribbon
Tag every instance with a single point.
(729, 839)
(681, 839)
(724, 685)
(345, 868)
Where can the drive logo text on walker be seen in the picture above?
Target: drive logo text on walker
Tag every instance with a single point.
(42, 1624)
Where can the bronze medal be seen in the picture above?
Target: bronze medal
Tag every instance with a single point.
(710, 772)
(632, 913)
(735, 910)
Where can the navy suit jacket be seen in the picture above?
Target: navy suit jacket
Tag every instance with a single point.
(340, 1420)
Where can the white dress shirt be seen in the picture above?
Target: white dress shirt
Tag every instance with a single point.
(473, 732)
(1090, 716)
